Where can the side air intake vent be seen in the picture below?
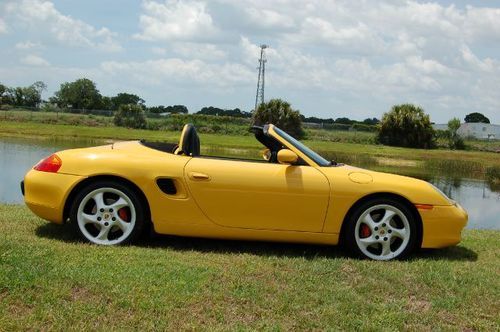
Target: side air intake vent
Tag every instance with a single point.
(167, 186)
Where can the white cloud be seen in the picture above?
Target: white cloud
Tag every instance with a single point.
(482, 25)
(174, 71)
(175, 20)
(27, 45)
(40, 15)
(199, 51)
(34, 60)
(3, 26)
(268, 18)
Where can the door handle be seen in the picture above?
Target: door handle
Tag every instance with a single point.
(198, 176)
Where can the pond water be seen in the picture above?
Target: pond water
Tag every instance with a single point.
(462, 182)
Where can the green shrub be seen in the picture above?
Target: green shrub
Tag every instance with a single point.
(363, 127)
(406, 125)
(455, 142)
(337, 126)
(493, 177)
(281, 114)
(130, 116)
(47, 107)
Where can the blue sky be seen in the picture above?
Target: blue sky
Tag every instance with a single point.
(328, 58)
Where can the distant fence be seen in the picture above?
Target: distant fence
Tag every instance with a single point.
(8, 108)
(340, 126)
(57, 111)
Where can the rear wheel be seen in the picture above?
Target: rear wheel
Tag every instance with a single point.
(107, 213)
(381, 229)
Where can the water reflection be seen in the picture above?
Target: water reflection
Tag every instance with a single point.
(467, 185)
(17, 156)
(482, 204)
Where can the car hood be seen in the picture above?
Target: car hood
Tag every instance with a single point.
(346, 179)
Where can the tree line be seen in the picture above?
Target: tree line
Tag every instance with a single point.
(83, 94)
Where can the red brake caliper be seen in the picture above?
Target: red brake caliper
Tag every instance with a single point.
(123, 214)
(364, 231)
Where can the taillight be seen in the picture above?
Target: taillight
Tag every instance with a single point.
(50, 164)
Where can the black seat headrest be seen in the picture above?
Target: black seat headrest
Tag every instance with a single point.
(189, 143)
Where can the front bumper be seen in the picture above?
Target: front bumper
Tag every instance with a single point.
(443, 225)
(45, 193)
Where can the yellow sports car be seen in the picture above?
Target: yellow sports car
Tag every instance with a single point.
(111, 193)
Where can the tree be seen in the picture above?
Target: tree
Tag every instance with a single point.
(39, 86)
(3, 94)
(406, 125)
(126, 98)
(177, 109)
(237, 113)
(476, 117)
(281, 114)
(210, 110)
(130, 116)
(157, 109)
(106, 103)
(31, 96)
(80, 94)
(454, 140)
(372, 121)
(23, 96)
(344, 121)
(314, 119)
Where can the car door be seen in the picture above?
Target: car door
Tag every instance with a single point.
(255, 195)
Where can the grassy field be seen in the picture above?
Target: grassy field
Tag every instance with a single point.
(222, 125)
(48, 280)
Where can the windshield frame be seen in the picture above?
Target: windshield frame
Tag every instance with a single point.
(308, 152)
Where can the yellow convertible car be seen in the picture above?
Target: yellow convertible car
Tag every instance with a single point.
(111, 193)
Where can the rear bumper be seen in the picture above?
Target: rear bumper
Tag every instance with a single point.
(45, 193)
(443, 226)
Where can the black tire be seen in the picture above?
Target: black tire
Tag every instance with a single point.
(135, 208)
(355, 236)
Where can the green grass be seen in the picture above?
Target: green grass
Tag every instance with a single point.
(49, 281)
(213, 125)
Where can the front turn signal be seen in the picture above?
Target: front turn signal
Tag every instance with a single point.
(424, 206)
(51, 164)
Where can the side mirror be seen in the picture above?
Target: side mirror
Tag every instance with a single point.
(287, 157)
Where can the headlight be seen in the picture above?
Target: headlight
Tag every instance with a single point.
(441, 193)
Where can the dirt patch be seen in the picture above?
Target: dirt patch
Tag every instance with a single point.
(416, 305)
(19, 309)
(79, 294)
(397, 162)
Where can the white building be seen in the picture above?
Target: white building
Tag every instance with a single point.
(480, 130)
(475, 130)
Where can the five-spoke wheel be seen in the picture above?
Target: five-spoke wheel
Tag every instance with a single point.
(381, 229)
(107, 213)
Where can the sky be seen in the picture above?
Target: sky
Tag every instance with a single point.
(327, 58)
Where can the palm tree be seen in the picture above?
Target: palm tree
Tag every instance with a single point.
(281, 114)
(406, 125)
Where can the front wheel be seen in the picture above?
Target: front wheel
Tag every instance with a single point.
(381, 229)
(107, 213)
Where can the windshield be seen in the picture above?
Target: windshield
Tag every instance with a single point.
(304, 149)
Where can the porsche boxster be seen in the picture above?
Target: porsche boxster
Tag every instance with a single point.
(111, 193)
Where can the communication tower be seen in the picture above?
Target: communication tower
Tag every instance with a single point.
(259, 96)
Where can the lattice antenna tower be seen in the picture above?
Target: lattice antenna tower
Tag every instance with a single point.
(259, 96)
